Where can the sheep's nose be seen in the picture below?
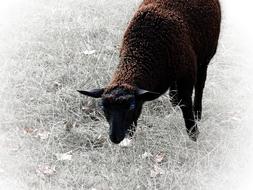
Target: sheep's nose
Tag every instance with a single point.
(116, 139)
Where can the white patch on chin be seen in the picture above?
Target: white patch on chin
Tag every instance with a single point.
(126, 142)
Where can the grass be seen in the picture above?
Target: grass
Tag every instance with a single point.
(45, 59)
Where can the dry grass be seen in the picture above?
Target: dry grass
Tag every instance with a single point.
(45, 60)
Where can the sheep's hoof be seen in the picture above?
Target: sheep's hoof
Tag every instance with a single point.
(193, 133)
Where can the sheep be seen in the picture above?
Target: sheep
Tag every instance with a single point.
(168, 44)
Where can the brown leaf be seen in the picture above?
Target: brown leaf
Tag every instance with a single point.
(29, 130)
(159, 157)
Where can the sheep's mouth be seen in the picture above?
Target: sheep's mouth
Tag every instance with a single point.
(128, 133)
(117, 139)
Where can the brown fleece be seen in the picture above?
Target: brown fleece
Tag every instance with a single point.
(166, 41)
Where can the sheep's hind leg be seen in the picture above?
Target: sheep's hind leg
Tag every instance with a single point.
(174, 94)
(185, 89)
(201, 79)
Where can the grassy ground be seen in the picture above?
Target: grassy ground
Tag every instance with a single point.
(52, 138)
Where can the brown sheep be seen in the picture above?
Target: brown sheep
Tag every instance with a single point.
(167, 45)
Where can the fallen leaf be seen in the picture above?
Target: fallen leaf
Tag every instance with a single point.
(46, 170)
(156, 171)
(89, 52)
(29, 130)
(146, 155)
(64, 156)
(159, 157)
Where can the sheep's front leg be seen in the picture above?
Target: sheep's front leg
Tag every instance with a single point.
(185, 89)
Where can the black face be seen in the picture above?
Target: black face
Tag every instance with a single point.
(122, 113)
(122, 109)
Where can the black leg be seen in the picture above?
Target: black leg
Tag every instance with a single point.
(185, 89)
(201, 79)
(174, 95)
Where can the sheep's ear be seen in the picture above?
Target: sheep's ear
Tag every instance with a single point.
(146, 95)
(95, 93)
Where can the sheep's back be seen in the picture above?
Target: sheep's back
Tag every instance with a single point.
(203, 19)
